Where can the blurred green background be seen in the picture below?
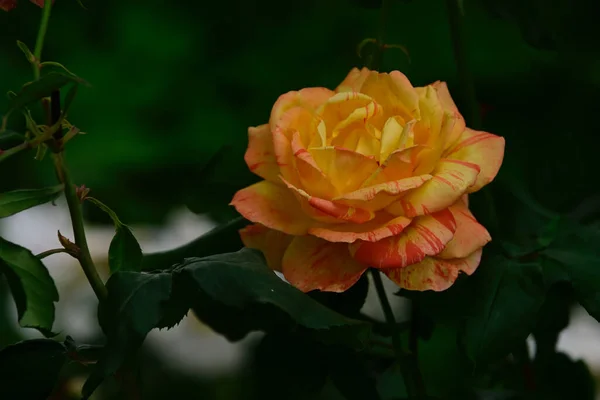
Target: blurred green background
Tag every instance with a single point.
(175, 86)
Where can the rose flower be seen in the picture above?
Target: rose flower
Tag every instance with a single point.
(373, 174)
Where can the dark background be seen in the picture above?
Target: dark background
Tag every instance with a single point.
(176, 84)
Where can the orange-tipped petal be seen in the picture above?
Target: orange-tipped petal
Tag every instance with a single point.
(346, 169)
(270, 242)
(434, 273)
(425, 236)
(260, 155)
(483, 149)
(470, 235)
(272, 205)
(402, 163)
(382, 226)
(284, 157)
(333, 212)
(309, 99)
(381, 195)
(450, 181)
(311, 263)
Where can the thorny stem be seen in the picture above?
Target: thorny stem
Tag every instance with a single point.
(62, 172)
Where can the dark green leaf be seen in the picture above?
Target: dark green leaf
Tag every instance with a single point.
(35, 90)
(30, 369)
(31, 285)
(124, 253)
(10, 138)
(133, 308)
(20, 200)
(506, 298)
(391, 384)
(348, 303)
(222, 239)
(245, 286)
(576, 250)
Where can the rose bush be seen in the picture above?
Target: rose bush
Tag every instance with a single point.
(373, 174)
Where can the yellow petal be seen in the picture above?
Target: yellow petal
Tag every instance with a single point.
(402, 164)
(309, 99)
(331, 211)
(483, 149)
(270, 242)
(381, 195)
(427, 129)
(450, 181)
(341, 105)
(311, 263)
(395, 136)
(362, 140)
(470, 235)
(346, 169)
(382, 226)
(312, 179)
(394, 93)
(354, 80)
(260, 155)
(272, 205)
(449, 107)
(433, 273)
(425, 236)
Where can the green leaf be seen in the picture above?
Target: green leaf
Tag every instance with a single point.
(31, 285)
(222, 239)
(576, 250)
(35, 90)
(390, 384)
(28, 54)
(133, 308)
(244, 295)
(506, 297)
(20, 200)
(348, 303)
(124, 253)
(10, 138)
(30, 369)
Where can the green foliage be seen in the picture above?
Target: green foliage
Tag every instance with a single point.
(124, 252)
(30, 369)
(31, 285)
(234, 293)
(43, 87)
(20, 200)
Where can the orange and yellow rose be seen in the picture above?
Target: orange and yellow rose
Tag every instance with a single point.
(373, 174)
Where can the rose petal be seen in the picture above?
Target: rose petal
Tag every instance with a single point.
(311, 263)
(273, 206)
(333, 212)
(470, 235)
(346, 169)
(425, 236)
(382, 226)
(313, 180)
(354, 80)
(270, 242)
(428, 128)
(402, 163)
(260, 156)
(394, 93)
(451, 179)
(362, 140)
(449, 107)
(381, 195)
(483, 149)
(340, 106)
(309, 98)
(433, 273)
(395, 136)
